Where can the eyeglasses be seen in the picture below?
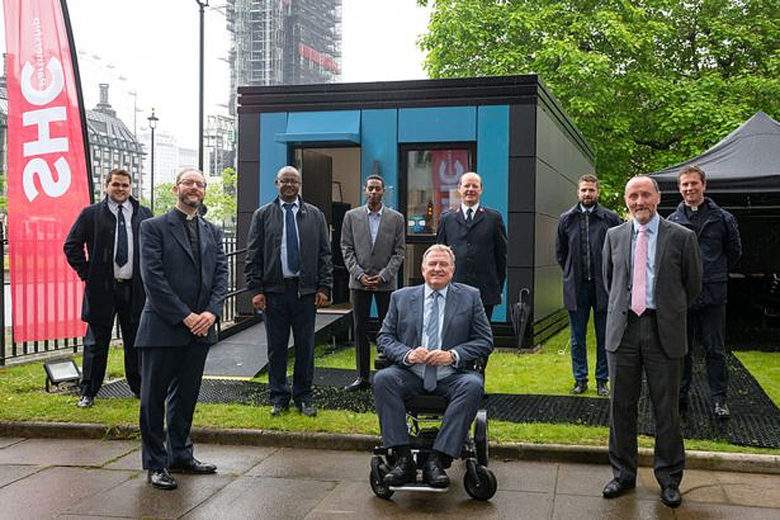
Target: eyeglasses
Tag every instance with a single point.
(190, 183)
(289, 181)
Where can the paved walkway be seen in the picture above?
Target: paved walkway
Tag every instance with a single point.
(91, 479)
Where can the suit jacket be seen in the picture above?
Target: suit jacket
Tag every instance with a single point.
(95, 228)
(569, 255)
(677, 283)
(384, 257)
(480, 250)
(465, 329)
(173, 286)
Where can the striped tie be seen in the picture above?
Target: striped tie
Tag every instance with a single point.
(432, 334)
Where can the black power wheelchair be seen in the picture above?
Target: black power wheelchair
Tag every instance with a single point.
(479, 482)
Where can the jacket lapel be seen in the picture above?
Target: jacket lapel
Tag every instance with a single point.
(179, 233)
(477, 217)
(629, 262)
(451, 307)
(660, 246)
(418, 302)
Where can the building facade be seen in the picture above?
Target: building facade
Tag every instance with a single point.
(283, 42)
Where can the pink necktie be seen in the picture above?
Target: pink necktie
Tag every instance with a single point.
(639, 285)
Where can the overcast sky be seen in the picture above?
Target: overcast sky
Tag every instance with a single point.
(151, 47)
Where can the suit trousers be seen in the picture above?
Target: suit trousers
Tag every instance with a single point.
(169, 390)
(463, 391)
(361, 309)
(98, 337)
(578, 323)
(641, 349)
(284, 311)
(705, 327)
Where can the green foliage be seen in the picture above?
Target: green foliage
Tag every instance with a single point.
(164, 199)
(649, 82)
(221, 197)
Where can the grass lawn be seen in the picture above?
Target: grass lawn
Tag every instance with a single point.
(22, 398)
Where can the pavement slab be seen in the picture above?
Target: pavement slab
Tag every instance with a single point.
(623, 508)
(53, 490)
(10, 473)
(9, 441)
(65, 452)
(703, 511)
(751, 490)
(136, 499)
(326, 465)
(696, 485)
(260, 497)
(230, 460)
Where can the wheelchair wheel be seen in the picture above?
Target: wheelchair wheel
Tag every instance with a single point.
(481, 437)
(480, 483)
(376, 479)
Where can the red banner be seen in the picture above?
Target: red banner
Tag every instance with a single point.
(448, 166)
(48, 183)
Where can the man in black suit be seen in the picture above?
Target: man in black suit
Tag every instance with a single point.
(109, 231)
(184, 270)
(652, 270)
(478, 237)
(289, 274)
(580, 237)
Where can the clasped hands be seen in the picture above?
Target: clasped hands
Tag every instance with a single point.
(423, 356)
(199, 324)
(371, 281)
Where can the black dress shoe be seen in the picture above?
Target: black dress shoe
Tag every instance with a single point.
(161, 479)
(193, 467)
(306, 409)
(602, 389)
(86, 401)
(404, 472)
(357, 384)
(433, 474)
(278, 409)
(615, 488)
(579, 387)
(670, 495)
(721, 410)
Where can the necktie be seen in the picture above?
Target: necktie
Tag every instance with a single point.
(469, 215)
(587, 245)
(121, 238)
(293, 254)
(639, 284)
(432, 333)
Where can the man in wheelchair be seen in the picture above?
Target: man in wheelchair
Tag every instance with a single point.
(433, 335)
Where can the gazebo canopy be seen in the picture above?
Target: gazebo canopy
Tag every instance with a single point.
(745, 161)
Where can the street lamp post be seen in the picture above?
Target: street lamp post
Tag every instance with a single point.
(152, 125)
(202, 4)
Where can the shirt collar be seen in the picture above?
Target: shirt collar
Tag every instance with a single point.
(587, 210)
(652, 226)
(429, 290)
(295, 204)
(379, 212)
(114, 205)
(465, 208)
(185, 216)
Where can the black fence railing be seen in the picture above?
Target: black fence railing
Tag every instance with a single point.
(15, 351)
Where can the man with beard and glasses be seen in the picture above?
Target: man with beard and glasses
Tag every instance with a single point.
(289, 274)
(110, 269)
(580, 237)
(372, 243)
(718, 236)
(185, 272)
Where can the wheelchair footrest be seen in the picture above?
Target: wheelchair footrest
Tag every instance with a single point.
(420, 487)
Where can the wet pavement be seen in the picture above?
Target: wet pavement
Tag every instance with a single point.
(94, 479)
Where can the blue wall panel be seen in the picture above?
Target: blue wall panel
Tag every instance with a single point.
(493, 167)
(273, 155)
(379, 131)
(436, 125)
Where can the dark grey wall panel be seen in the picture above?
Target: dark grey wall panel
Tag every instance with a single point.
(555, 193)
(517, 279)
(520, 231)
(522, 131)
(544, 242)
(521, 183)
(248, 137)
(548, 295)
(556, 149)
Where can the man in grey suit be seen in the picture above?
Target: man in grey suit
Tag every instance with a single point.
(652, 271)
(433, 334)
(184, 271)
(372, 243)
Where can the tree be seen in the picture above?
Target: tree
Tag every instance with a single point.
(164, 199)
(648, 82)
(221, 197)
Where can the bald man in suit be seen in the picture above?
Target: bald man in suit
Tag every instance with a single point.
(652, 271)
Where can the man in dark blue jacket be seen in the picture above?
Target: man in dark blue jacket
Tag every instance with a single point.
(109, 232)
(578, 244)
(184, 270)
(721, 248)
(289, 274)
